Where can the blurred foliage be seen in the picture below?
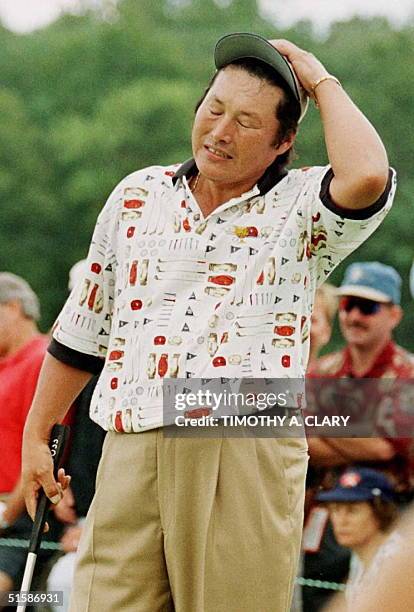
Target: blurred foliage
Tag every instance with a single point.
(86, 101)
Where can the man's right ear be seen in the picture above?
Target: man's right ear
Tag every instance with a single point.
(287, 143)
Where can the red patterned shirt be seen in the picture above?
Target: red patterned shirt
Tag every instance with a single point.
(394, 418)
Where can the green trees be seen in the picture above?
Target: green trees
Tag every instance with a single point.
(88, 100)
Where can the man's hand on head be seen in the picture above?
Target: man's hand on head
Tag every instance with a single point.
(307, 68)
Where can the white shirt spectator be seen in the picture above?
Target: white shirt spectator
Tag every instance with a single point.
(361, 575)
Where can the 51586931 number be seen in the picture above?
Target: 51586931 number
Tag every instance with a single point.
(32, 598)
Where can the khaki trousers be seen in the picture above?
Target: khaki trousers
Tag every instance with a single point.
(192, 525)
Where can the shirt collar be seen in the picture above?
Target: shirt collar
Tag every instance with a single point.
(272, 175)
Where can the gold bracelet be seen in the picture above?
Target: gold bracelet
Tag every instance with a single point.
(327, 77)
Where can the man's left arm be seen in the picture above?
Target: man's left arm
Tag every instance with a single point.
(356, 153)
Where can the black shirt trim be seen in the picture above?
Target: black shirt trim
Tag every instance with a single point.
(76, 359)
(272, 175)
(349, 213)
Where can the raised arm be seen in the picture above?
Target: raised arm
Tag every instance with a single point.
(57, 388)
(356, 153)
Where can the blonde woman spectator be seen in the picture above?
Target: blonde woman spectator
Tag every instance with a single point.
(323, 315)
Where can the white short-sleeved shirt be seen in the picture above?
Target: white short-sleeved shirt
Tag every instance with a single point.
(169, 293)
(361, 576)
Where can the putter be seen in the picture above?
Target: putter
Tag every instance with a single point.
(57, 443)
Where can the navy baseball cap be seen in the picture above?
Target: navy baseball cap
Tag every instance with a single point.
(357, 485)
(373, 281)
(241, 45)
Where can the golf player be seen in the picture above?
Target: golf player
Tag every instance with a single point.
(205, 270)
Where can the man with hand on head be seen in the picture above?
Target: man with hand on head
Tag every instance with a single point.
(207, 269)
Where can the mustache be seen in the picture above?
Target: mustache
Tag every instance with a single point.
(356, 326)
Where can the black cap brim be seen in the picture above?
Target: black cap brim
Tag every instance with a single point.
(241, 45)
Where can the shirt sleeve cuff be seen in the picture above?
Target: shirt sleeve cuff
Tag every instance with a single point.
(75, 359)
(358, 214)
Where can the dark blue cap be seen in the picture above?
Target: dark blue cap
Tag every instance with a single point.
(359, 484)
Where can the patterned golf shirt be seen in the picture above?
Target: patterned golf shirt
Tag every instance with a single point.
(171, 294)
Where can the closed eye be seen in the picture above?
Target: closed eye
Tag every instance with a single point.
(247, 126)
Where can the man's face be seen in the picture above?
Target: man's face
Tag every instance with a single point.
(235, 129)
(363, 328)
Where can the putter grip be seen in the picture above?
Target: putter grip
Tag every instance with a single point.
(57, 443)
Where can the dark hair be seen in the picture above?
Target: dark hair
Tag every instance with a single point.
(386, 512)
(287, 110)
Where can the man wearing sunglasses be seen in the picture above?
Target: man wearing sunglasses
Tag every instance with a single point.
(369, 311)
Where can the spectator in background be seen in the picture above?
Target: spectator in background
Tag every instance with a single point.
(22, 349)
(369, 311)
(323, 315)
(393, 587)
(363, 512)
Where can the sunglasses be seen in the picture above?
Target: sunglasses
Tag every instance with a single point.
(365, 307)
